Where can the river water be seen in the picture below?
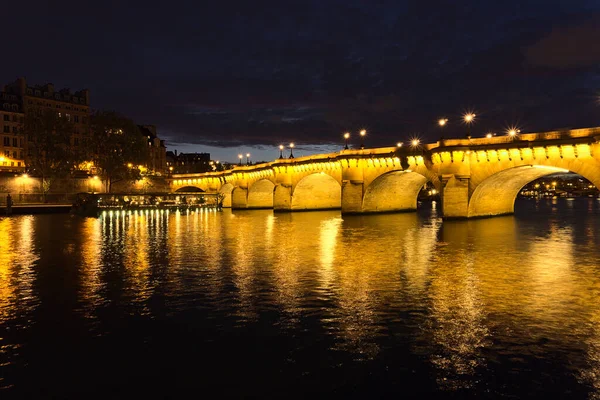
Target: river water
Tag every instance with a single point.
(256, 304)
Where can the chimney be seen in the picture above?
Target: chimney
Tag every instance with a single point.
(175, 153)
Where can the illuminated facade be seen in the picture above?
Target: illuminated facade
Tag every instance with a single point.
(475, 177)
(72, 106)
(13, 141)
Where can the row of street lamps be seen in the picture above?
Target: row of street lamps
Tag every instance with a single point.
(468, 119)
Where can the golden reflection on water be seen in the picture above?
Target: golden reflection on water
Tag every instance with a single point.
(463, 290)
(91, 264)
(17, 258)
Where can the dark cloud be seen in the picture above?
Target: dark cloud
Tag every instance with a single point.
(227, 74)
(566, 47)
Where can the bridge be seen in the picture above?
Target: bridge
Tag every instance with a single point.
(478, 177)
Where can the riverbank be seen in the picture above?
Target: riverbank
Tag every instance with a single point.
(21, 209)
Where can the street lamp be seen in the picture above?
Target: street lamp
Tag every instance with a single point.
(240, 157)
(489, 135)
(291, 150)
(363, 132)
(469, 118)
(399, 144)
(346, 137)
(247, 158)
(442, 121)
(415, 143)
(280, 151)
(512, 132)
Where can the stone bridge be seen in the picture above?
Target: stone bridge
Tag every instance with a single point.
(475, 177)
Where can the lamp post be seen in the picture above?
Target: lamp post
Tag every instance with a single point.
(442, 122)
(469, 118)
(291, 150)
(247, 158)
(240, 157)
(399, 144)
(346, 137)
(363, 132)
(280, 151)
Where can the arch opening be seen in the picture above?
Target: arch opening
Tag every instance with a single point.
(226, 190)
(393, 191)
(317, 192)
(189, 189)
(496, 195)
(260, 194)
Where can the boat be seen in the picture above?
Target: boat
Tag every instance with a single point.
(94, 204)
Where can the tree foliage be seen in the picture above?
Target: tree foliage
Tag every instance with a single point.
(50, 153)
(116, 147)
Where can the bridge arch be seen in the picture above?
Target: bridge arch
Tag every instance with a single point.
(260, 194)
(189, 189)
(318, 191)
(393, 191)
(496, 194)
(227, 189)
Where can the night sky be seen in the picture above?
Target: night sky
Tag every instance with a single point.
(230, 77)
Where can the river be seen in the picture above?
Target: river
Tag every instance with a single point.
(257, 304)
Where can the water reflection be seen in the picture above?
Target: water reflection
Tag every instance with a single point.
(473, 301)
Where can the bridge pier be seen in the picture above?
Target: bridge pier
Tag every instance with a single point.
(282, 198)
(352, 196)
(239, 198)
(455, 196)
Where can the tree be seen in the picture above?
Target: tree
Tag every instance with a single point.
(116, 148)
(50, 153)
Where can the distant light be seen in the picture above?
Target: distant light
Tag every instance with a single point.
(513, 132)
(346, 135)
(443, 121)
(415, 142)
(247, 154)
(292, 145)
(129, 165)
(240, 156)
(280, 147)
(399, 144)
(25, 176)
(95, 177)
(489, 135)
(363, 132)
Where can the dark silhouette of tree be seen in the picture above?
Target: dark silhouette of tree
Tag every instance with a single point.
(116, 148)
(50, 152)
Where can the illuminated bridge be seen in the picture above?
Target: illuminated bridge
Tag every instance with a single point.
(475, 177)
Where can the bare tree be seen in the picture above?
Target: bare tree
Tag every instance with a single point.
(116, 147)
(50, 154)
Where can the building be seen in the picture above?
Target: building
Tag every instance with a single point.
(72, 106)
(13, 141)
(157, 149)
(186, 163)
